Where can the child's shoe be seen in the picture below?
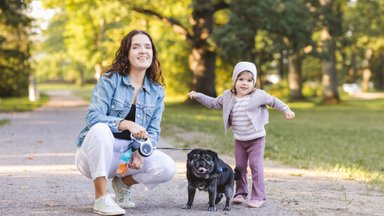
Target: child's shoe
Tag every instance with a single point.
(256, 203)
(239, 199)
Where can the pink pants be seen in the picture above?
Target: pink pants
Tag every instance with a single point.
(252, 150)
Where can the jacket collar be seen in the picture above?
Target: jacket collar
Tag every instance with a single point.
(146, 85)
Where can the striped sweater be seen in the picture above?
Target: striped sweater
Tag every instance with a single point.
(256, 110)
(241, 125)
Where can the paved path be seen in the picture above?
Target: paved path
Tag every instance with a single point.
(38, 176)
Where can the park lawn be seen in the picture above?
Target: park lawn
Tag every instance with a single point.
(347, 138)
(21, 104)
(81, 91)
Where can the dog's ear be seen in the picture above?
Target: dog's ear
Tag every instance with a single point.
(213, 154)
(215, 160)
(191, 153)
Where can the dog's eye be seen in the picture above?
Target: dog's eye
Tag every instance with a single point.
(207, 160)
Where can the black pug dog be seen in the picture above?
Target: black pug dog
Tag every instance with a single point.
(205, 171)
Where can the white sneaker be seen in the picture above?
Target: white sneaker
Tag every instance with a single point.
(105, 205)
(123, 193)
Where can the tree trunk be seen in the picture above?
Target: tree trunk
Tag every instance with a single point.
(202, 64)
(329, 80)
(98, 71)
(352, 71)
(202, 60)
(294, 77)
(331, 28)
(367, 74)
(381, 81)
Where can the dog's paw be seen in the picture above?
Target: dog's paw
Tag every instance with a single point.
(187, 206)
(212, 208)
(227, 208)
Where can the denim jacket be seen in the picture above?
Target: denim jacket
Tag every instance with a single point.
(112, 99)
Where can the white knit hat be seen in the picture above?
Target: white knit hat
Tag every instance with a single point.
(244, 66)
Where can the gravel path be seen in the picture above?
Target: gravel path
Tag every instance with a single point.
(38, 176)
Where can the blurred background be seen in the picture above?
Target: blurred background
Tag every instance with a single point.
(302, 48)
(325, 58)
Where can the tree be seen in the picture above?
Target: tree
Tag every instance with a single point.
(88, 32)
(330, 16)
(202, 59)
(288, 26)
(364, 35)
(14, 48)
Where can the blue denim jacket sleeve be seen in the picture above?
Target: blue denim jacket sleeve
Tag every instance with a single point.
(100, 105)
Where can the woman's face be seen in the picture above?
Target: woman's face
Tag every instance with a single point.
(140, 53)
(244, 84)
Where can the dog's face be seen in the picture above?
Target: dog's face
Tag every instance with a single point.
(202, 163)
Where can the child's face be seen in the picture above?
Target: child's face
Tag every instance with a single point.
(244, 84)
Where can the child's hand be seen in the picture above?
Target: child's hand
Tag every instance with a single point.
(192, 94)
(289, 115)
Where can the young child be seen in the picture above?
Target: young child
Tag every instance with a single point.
(245, 111)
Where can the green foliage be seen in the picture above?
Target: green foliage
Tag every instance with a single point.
(20, 104)
(81, 35)
(366, 35)
(80, 91)
(84, 34)
(76, 43)
(173, 51)
(14, 49)
(3, 122)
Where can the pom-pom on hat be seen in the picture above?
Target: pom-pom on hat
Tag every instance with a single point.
(244, 66)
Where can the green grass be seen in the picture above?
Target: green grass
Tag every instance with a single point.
(347, 138)
(3, 122)
(21, 104)
(82, 91)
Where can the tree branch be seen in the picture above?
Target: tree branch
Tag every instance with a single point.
(177, 26)
(220, 5)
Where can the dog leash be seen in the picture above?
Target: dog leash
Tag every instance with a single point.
(172, 148)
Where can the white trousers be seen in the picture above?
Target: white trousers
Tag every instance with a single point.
(100, 152)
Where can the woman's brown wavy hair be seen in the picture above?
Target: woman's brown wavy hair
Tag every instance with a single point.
(121, 63)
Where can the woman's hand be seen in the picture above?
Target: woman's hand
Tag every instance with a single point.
(136, 130)
(289, 115)
(192, 94)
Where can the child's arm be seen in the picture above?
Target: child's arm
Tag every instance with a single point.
(277, 104)
(207, 101)
(289, 114)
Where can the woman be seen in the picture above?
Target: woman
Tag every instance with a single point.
(127, 100)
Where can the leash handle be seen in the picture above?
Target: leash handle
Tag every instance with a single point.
(143, 145)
